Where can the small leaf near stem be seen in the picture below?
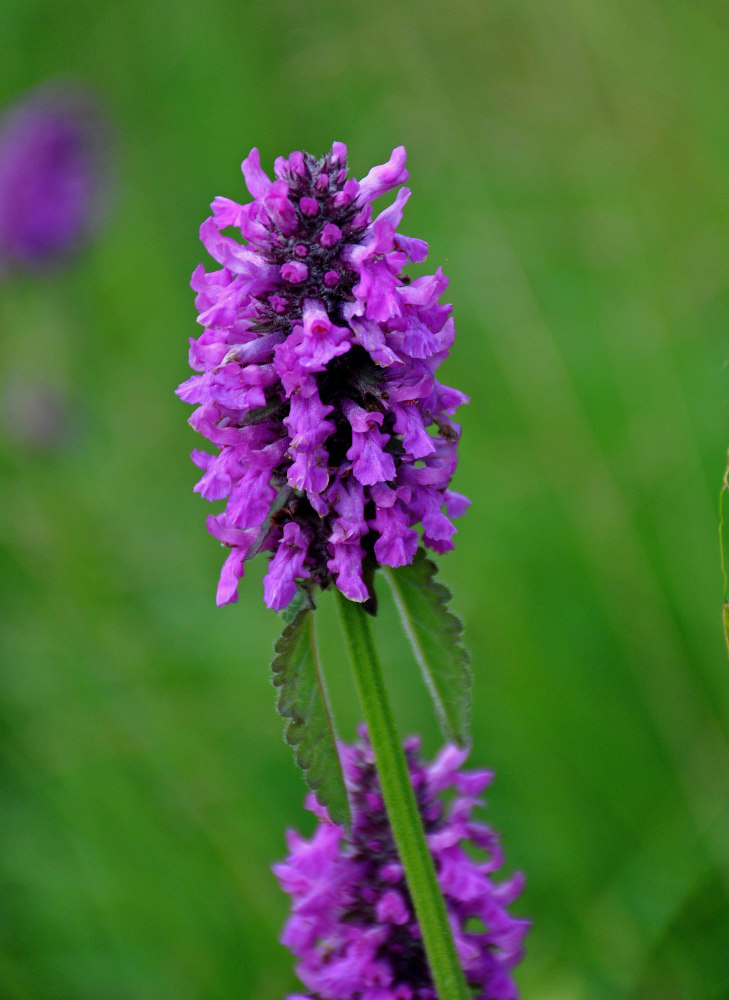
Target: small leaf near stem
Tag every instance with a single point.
(435, 636)
(302, 699)
(401, 806)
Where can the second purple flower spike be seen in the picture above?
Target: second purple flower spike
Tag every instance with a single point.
(317, 380)
(352, 925)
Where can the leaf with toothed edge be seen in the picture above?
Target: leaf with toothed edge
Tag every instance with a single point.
(302, 700)
(435, 635)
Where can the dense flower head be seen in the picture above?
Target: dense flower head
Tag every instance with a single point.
(52, 175)
(352, 926)
(317, 379)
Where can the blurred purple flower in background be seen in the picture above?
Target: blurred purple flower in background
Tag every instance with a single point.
(318, 384)
(352, 924)
(53, 174)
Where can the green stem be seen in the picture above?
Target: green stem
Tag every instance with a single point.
(402, 809)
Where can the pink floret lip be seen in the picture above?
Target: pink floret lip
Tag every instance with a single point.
(352, 926)
(316, 379)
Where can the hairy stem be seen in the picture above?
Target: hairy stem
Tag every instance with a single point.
(401, 806)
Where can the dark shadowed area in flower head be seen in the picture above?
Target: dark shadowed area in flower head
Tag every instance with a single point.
(569, 165)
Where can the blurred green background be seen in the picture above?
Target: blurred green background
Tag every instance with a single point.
(570, 169)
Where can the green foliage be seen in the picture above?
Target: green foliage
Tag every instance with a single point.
(435, 634)
(302, 699)
(723, 553)
(570, 170)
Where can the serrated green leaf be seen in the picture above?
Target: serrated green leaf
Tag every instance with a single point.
(302, 700)
(435, 634)
(301, 601)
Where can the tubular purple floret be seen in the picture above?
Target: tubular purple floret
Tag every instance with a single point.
(316, 376)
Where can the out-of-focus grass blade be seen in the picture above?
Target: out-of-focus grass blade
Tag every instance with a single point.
(723, 550)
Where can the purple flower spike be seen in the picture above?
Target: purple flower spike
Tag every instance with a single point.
(317, 379)
(353, 928)
(52, 176)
